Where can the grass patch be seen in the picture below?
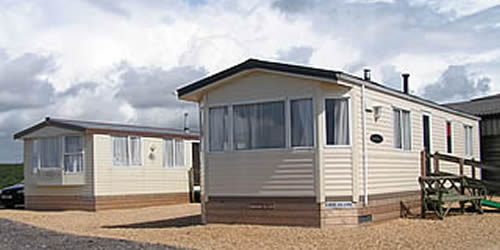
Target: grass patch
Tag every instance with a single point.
(10, 174)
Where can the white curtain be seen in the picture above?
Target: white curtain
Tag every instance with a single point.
(50, 152)
(406, 130)
(302, 122)
(120, 150)
(468, 141)
(397, 128)
(179, 153)
(73, 154)
(168, 153)
(135, 151)
(218, 129)
(35, 156)
(337, 121)
(259, 125)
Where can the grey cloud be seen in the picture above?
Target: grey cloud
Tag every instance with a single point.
(391, 77)
(455, 84)
(79, 88)
(293, 6)
(154, 87)
(110, 6)
(24, 83)
(299, 54)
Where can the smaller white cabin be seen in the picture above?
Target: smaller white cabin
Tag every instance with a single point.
(287, 144)
(90, 166)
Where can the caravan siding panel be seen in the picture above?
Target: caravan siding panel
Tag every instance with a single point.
(260, 173)
(149, 178)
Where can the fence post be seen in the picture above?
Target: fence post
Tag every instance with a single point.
(473, 169)
(461, 163)
(436, 162)
(423, 161)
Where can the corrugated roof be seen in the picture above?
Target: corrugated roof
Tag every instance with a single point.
(104, 127)
(483, 106)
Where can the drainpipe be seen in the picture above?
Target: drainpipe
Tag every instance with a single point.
(365, 164)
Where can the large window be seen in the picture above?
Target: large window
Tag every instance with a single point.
(259, 126)
(218, 129)
(402, 129)
(337, 121)
(449, 139)
(173, 153)
(127, 150)
(468, 141)
(58, 152)
(301, 114)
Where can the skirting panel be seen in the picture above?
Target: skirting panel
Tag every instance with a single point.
(103, 202)
(265, 211)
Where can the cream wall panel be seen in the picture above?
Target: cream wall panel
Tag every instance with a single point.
(151, 177)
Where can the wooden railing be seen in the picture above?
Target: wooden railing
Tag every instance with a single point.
(437, 157)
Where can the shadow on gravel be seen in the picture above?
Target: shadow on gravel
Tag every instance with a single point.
(173, 222)
(15, 235)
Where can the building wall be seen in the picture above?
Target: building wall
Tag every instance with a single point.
(150, 178)
(282, 172)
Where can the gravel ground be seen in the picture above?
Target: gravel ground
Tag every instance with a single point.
(20, 236)
(179, 226)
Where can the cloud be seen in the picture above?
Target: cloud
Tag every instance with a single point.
(293, 6)
(456, 84)
(391, 76)
(110, 6)
(297, 54)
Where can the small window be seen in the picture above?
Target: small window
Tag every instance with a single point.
(259, 125)
(402, 129)
(73, 154)
(337, 121)
(64, 152)
(301, 114)
(49, 152)
(218, 129)
(127, 150)
(449, 139)
(468, 140)
(173, 153)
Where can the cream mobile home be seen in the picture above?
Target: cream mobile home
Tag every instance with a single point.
(293, 145)
(91, 166)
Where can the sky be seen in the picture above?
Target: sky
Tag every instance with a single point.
(121, 61)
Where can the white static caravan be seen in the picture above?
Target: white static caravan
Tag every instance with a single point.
(83, 165)
(293, 145)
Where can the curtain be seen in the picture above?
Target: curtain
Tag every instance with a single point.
(406, 130)
(397, 128)
(302, 122)
(50, 152)
(468, 140)
(218, 127)
(135, 151)
(120, 150)
(73, 154)
(258, 126)
(179, 153)
(35, 164)
(337, 122)
(168, 153)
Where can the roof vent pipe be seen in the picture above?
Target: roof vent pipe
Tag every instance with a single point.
(368, 74)
(186, 124)
(405, 82)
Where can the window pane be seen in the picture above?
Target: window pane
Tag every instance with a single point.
(50, 152)
(337, 121)
(218, 119)
(168, 153)
(73, 163)
(397, 128)
(179, 153)
(120, 150)
(302, 122)
(406, 130)
(448, 138)
(73, 144)
(135, 150)
(259, 125)
(35, 156)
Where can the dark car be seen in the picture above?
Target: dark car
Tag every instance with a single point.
(12, 196)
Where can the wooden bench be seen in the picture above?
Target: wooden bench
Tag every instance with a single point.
(441, 190)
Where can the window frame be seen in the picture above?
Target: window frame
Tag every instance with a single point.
(228, 131)
(401, 110)
(449, 144)
(37, 168)
(289, 122)
(325, 128)
(129, 149)
(471, 141)
(174, 140)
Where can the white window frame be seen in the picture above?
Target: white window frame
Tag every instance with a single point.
(471, 141)
(402, 149)
(349, 108)
(175, 140)
(289, 122)
(129, 149)
(37, 168)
